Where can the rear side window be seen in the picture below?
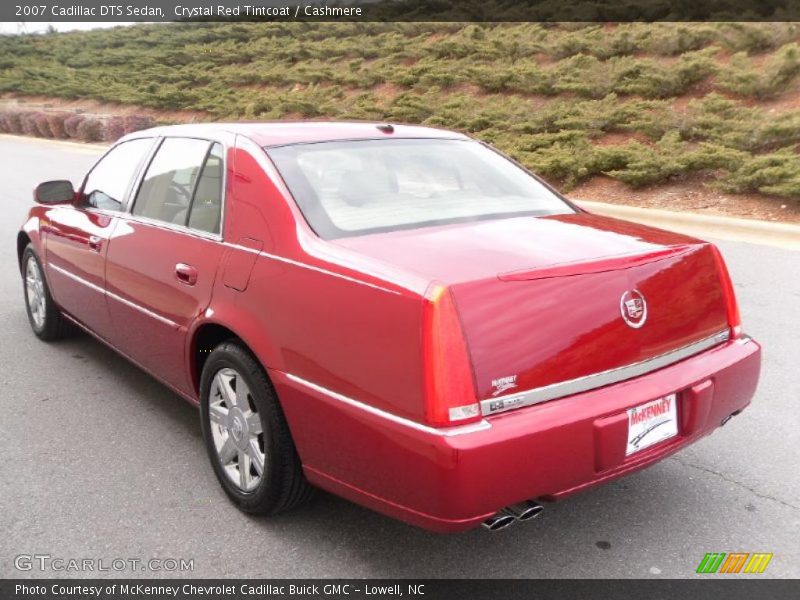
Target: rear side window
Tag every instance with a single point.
(108, 181)
(183, 185)
(206, 208)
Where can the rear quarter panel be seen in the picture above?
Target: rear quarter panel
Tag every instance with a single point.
(345, 328)
(358, 340)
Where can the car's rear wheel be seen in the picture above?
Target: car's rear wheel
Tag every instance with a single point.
(44, 316)
(246, 435)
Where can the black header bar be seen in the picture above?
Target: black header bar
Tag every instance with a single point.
(400, 10)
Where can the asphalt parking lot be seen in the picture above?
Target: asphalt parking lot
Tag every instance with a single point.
(100, 461)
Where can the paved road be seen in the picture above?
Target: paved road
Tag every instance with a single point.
(99, 460)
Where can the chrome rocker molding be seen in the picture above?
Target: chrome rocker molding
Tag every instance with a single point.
(444, 431)
(501, 404)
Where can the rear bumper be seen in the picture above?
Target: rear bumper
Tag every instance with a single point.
(447, 482)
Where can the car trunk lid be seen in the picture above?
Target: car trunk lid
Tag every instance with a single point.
(556, 323)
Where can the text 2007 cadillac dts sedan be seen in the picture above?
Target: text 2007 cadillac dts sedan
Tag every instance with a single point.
(399, 315)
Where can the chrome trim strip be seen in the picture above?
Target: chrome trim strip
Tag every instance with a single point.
(124, 301)
(501, 404)
(326, 272)
(143, 310)
(74, 277)
(444, 431)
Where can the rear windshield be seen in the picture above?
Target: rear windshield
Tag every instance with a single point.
(356, 187)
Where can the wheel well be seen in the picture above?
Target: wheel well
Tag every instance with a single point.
(206, 338)
(22, 242)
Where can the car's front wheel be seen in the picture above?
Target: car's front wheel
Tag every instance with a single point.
(44, 316)
(246, 435)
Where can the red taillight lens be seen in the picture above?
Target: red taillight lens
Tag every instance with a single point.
(449, 389)
(734, 318)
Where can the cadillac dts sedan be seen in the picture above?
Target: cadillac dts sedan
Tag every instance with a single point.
(399, 315)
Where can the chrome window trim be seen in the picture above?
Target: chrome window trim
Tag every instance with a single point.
(214, 237)
(442, 432)
(117, 297)
(508, 402)
(130, 217)
(127, 213)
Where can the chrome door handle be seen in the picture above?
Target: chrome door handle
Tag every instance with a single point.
(186, 273)
(95, 243)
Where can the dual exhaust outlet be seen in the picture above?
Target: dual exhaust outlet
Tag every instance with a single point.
(524, 511)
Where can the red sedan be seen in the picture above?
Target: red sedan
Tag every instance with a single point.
(399, 315)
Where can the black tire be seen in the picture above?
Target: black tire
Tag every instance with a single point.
(54, 326)
(283, 485)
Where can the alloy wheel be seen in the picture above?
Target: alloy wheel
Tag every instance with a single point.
(236, 430)
(34, 292)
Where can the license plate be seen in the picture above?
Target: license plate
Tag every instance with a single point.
(652, 423)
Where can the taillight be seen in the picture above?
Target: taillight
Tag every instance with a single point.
(734, 318)
(450, 397)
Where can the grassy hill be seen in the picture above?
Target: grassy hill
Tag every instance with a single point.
(643, 103)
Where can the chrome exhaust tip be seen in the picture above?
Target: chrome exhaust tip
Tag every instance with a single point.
(499, 521)
(524, 511)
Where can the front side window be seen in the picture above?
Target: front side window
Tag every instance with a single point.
(183, 185)
(356, 187)
(108, 181)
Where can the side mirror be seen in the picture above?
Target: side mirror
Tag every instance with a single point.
(54, 192)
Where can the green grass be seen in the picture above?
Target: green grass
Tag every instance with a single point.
(545, 94)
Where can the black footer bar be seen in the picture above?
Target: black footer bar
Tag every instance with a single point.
(701, 588)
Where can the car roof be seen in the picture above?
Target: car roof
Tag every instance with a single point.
(279, 133)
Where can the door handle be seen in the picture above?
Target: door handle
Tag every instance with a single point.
(95, 243)
(186, 273)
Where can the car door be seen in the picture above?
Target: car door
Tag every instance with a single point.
(76, 236)
(163, 255)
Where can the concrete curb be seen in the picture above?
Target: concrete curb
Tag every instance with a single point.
(782, 235)
(80, 146)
